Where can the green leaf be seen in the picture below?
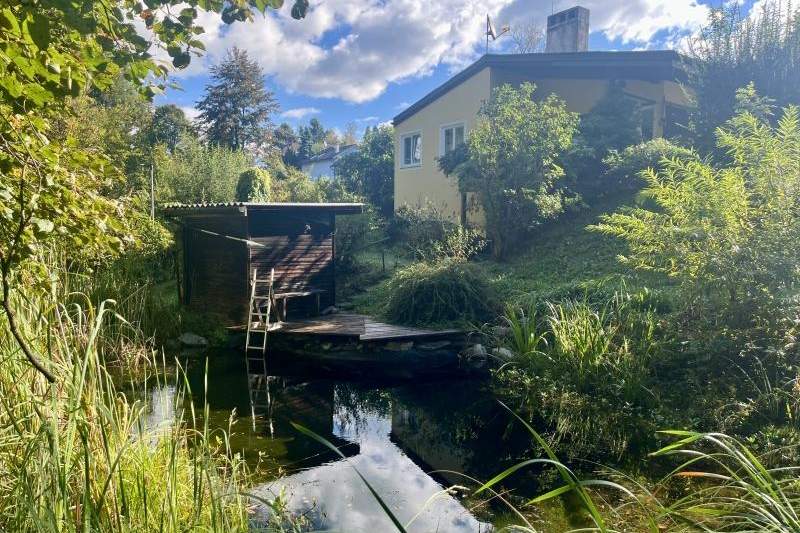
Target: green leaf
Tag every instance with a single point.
(8, 21)
(39, 29)
(42, 225)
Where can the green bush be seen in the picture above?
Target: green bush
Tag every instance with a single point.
(427, 235)
(253, 185)
(723, 232)
(623, 169)
(195, 172)
(436, 293)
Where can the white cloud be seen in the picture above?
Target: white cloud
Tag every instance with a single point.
(300, 112)
(370, 118)
(352, 49)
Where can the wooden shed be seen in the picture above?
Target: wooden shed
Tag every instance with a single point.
(223, 242)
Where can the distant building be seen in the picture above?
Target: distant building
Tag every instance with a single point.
(441, 120)
(321, 165)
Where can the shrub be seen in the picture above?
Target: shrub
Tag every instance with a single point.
(253, 185)
(623, 169)
(509, 161)
(194, 172)
(427, 235)
(722, 232)
(435, 293)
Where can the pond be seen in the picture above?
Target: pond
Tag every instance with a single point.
(410, 439)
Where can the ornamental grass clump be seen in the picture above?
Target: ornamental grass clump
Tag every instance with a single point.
(81, 455)
(449, 291)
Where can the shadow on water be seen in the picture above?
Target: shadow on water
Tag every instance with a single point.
(410, 439)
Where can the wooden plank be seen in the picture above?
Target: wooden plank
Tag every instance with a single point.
(362, 327)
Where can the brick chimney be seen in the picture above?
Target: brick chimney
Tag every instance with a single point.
(568, 31)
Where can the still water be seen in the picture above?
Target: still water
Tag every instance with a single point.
(410, 439)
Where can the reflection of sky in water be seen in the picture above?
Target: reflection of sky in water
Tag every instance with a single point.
(337, 499)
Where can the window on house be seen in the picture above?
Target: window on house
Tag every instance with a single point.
(452, 136)
(412, 149)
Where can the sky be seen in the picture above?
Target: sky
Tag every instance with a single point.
(364, 61)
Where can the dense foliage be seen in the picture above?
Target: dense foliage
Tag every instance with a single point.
(614, 123)
(737, 48)
(623, 168)
(510, 162)
(253, 186)
(197, 172)
(722, 231)
(426, 234)
(369, 171)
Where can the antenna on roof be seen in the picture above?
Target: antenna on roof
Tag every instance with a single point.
(491, 33)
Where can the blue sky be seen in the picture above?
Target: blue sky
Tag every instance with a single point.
(363, 61)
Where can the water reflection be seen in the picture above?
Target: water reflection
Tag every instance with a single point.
(332, 495)
(396, 434)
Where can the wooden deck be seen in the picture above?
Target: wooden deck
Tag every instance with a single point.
(358, 327)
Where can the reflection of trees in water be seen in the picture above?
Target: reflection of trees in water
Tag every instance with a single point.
(356, 404)
(459, 427)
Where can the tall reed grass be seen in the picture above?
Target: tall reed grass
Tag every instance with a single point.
(79, 455)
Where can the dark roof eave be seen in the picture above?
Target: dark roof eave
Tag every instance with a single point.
(677, 62)
(242, 208)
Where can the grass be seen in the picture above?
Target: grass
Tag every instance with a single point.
(80, 456)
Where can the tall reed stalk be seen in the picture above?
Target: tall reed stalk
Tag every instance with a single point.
(79, 455)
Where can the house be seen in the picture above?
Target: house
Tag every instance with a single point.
(321, 164)
(223, 242)
(442, 119)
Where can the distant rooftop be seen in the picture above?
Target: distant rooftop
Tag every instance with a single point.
(329, 153)
(241, 208)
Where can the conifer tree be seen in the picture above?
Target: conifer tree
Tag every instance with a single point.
(236, 107)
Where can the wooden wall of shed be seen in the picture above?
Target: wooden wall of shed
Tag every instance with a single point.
(299, 245)
(215, 267)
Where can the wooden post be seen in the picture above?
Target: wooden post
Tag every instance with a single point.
(152, 193)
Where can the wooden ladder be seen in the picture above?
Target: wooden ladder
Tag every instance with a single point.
(258, 323)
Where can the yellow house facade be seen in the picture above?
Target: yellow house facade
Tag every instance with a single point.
(442, 119)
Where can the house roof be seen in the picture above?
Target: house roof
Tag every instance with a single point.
(329, 153)
(242, 208)
(648, 65)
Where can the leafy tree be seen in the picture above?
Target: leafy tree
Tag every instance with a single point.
(509, 161)
(288, 144)
(50, 186)
(168, 125)
(734, 49)
(623, 169)
(305, 150)
(236, 108)
(317, 131)
(253, 186)
(722, 231)
(614, 123)
(112, 122)
(314, 138)
(196, 172)
(369, 171)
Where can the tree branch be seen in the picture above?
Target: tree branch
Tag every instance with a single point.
(12, 325)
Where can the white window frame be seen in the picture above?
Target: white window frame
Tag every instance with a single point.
(403, 138)
(453, 126)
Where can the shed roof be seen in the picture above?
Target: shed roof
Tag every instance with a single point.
(242, 208)
(649, 65)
